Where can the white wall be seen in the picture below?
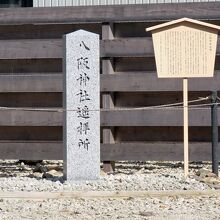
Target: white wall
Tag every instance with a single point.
(49, 3)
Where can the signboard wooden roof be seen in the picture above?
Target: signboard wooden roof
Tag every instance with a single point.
(185, 48)
(204, 24)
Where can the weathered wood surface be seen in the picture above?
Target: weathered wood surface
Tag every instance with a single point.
(156, 151)
(125, 82)
(118, 82)
(127, 47)
(31, 49)
(30, 118)
(52, 48)
(148, 81)
(131, 47)
(46, 31)
(31, 82)
(109, 118)
(155, 117)
(31, 150)
(52, 150)
(108, 98)
(116, 13)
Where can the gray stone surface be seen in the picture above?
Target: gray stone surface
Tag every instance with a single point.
(82, 101)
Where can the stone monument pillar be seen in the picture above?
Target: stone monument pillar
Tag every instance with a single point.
(81, 102)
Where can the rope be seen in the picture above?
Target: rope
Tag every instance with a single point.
(191, 107)
(171, 106)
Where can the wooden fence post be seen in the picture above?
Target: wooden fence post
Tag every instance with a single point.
(214, 121)
(108, 98)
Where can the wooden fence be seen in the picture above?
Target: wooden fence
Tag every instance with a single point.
(31, 76)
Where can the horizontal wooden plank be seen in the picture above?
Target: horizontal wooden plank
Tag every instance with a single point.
(46, 31)
(133, 117)
(30, 150)
(127, 47)
(131, 47)
(156, 151)
(116, 13)
(120, 151)
(155, 117)
(52, 48)
(148, 81)
(119, 82)
(30, 118)
(31, 49)
(31, 83)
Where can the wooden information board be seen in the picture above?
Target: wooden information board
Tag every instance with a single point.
(185, 48)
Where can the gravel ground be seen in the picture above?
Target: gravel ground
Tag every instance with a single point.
(47, 176)
(128, 176)
(150, 208)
